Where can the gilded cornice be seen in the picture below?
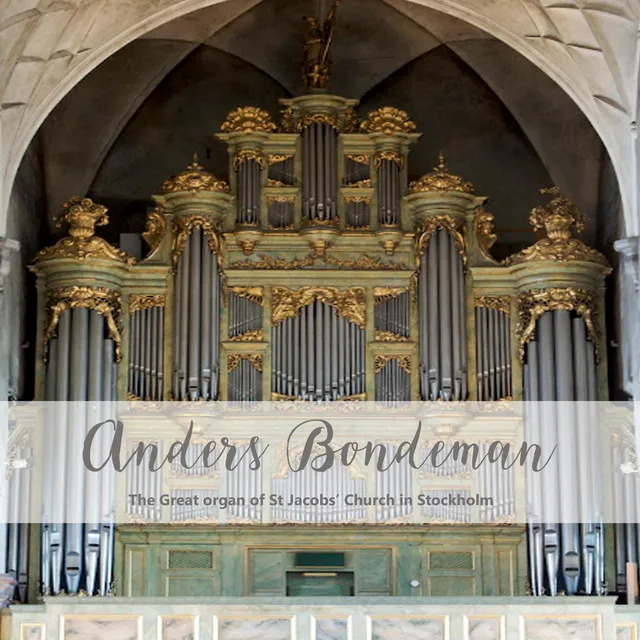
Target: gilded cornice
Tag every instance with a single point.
(445, 221)
(269, 262)
(499, 303)
(82, 216)
(381, 361)
(248, 336)
(362, 263)
(388, 120)
(254, 359)
(440, 180)
(255, 294)
(388, 336)
(102, 300)
(557, 217)
(382, 294)
(193, 180)
(184, 225)
(248, 120)
(349, 303)
(390, 156)
(140, 302)
(533, 304)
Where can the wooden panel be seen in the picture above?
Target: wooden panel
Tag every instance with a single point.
(374, 572)
(188, 586)
(266, 572)
(505, 572)
(452, 586)
(136, 571)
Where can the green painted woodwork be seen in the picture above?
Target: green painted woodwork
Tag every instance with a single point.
(199, 560)
(320, 584)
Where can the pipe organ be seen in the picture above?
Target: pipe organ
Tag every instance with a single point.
(320, 273)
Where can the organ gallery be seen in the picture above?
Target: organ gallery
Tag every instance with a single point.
(317, 271)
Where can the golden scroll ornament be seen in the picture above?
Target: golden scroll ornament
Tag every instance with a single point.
(390, 156)
(441, 221)
(276, 158)
(102, 300)
(248, 336)
(82, 215)
(365, 262)
(355, 199)
(267, 262)
(557, 217)
(182, 228)
(156, 227)
(140, 302)
(388, 120)
(254, 359)
(382, 294)
(533, 304)
(388, 336)
(499, 303)
(194, 179)
(255, 294)
(382, 360)
(363, 158)
(349, 303)
(441, 180)
(248, 120)
(246, 155)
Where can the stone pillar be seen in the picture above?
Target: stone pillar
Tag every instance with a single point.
(7, 583)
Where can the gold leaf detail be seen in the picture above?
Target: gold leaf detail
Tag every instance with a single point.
(193, 180)
(184, 225)
(381, 361)
(245, 155)
(255, 294)
(388, 120)
(254, 359)
(275, 158)
(140, 302)
(383, 294)
(440, 221)
(359, 158)
(349, 303)
(390, 156)
(248, 120)
(499, 303)
(156, 228)
(248, 336)
(440, 180)
(483, 225)
(388, 336)
(102, 300)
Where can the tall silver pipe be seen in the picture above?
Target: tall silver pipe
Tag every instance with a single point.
(183, 311)
(434, 330)
(444, 291)
(205, 325)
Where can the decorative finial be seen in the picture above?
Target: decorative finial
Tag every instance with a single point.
(441, 180)
(196, 159)
(388, 120)
(82, 215)
(442, 167)
(193, 179)
(248, 120)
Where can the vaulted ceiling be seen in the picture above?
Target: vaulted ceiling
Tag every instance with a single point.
(500, 121)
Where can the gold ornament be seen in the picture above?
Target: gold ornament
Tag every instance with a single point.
(382, 294)
(272, 182)
(287, 121)
(349, 303)
(276, 158)
(248, 336)
(194, 179)
(269, 262)
(359, 159)
(245, 155)
(254, 359)
(440, 180)
(391, 156)
(499, 303)
(483, 225)
(534, 304)
(388, 120)
(361, 184)
(440, 221)
(316, 60)
(102, 300)
(83, 216)
(381, 361)
(281, 199)
(350, 123)
(388, 336)
(307, 119)
(557, 217)
(184, 225)
(140, 302)
(155, 228)
(366, 263)
(248, 120)
(255, 294)
(354, 199)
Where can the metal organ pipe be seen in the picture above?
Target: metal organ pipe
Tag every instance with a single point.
(320, 173)
(388, 192)
(441, 311)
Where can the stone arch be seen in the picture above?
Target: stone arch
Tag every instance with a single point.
(558, 40)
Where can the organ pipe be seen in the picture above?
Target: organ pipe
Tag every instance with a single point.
(389, 164)
(320, 174)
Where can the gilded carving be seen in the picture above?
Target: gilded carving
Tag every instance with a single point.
(382, 360)
(363, 158)
(534, 304)
(363, 263)
(272, 182)
(248, 336)
(287, 121)
(343, 122)
(388, 120)
(388, 336)
(349, 303)
(254, 359)
(440, 180)
(269, 262)
(440, 221)
(140, 302)
(281, 199)
(255, 294)
(382, 294)
(391, 156)
(184, 225)
(361, 184)
(245, 155)
(317, 42)
(275, 158)
(358, 199)
(155, 229)
(483, 226)
(194, 179)
(248, 120)
(83, 216)
(557, 217)
(499, 303)
(102, 300)
(366, 263)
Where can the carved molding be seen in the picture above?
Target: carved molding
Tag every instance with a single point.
(140, 302)
(499, 303)
(441, 221)
(194, 179)
(184, 225)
